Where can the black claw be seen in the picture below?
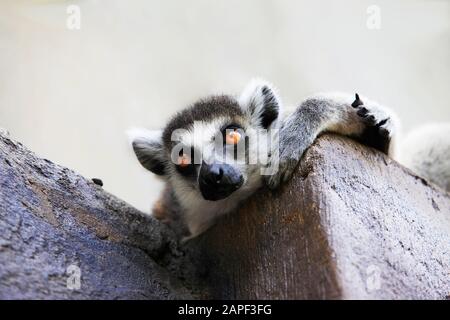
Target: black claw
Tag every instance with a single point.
(379, 124)
(371, 119)
(358, 102)
(383, 132)
(362, 112)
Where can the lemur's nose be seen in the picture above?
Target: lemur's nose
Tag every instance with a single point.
(218, 180)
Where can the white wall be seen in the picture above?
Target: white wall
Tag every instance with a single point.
(70, 95)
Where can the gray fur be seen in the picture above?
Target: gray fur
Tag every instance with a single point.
(426, 151)
(332, 112)
(149, 151)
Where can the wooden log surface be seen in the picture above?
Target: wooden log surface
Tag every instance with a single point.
(351, 224)
(56, 225)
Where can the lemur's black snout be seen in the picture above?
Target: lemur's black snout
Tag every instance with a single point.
(218, 181)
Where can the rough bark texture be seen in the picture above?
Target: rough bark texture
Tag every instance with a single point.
(351, 224)
(52, 218)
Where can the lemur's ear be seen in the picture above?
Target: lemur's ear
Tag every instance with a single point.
(147, 146)
(261, 101)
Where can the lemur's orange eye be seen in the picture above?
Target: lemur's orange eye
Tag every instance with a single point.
(232, 137)
(183, 160)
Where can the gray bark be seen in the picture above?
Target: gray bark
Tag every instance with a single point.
(351, 224)
(52, 218)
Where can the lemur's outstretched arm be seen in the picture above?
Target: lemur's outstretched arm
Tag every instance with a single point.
(367, 121)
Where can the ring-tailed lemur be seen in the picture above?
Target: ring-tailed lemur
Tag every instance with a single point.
(205, 185)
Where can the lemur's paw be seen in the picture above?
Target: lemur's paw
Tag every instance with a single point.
(281, 172)
(374, 116)
(379, 122)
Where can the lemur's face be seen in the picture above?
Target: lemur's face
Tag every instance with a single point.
(216, 148)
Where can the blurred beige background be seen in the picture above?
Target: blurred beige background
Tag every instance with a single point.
(70, 95)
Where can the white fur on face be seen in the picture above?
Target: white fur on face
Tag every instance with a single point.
(201, 213)
(201, 137)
